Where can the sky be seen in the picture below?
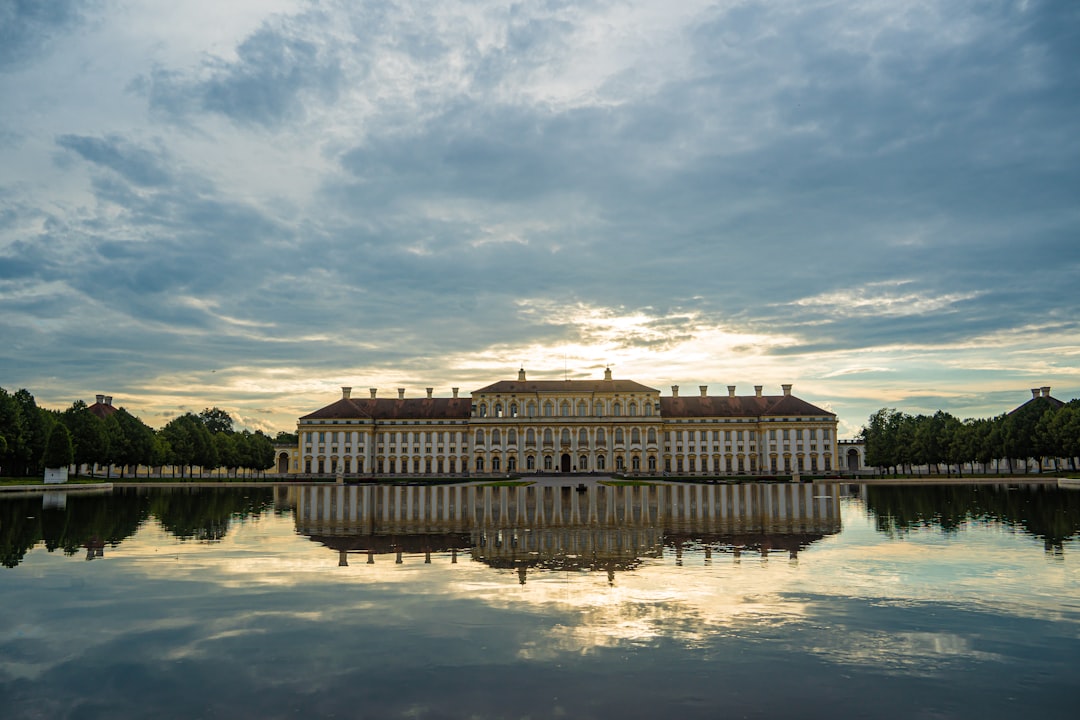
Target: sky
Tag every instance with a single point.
(251, 204)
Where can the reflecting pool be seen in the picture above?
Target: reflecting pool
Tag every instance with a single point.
(555, 599)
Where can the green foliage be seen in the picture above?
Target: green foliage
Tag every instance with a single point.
(216, 420)
(88, 434)
(287, 438)
(58, 451)
(1036, 430)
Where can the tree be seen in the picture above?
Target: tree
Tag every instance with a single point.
(58, 451)
(225, 448)
(12, 430)
(136, 441)
(190, 442)
(287, 438)
(37, 424)
(216, 420)
(88, 436)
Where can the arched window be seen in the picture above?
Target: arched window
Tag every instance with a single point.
(479, 437)
(652, 435)
(635, 435)
(635, 462)
(513, 410)
(547, 462)
(498, 409)
(601, 436)
(479, 464)
(583, 438)
(511, 463)
(530, 462)
(600, 463)
(548, 437)
(582, 408)
(583, 463)
(598, 408)
(564, 437)
(633, 408)
(452, 465)
(496, 464)
(652, 463)
(616, 409)
(619, 464)
(483, 409)
(618, 436)
(511, 437)
(564, 409)
(530, 409)
(530, 437)
(496, 437)
(548, 409)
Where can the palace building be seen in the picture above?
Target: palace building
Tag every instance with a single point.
(567, 426)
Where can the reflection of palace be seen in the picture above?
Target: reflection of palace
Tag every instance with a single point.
(564, 426)
(591, 526)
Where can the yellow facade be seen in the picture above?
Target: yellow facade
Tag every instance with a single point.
(569, 426)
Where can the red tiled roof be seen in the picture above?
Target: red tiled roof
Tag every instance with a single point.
(101, 410)
(741, 406)
(395, 409)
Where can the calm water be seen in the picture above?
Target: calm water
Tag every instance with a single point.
(683, 601)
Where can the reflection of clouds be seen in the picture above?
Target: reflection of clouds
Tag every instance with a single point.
(691, 600)
(909, 653)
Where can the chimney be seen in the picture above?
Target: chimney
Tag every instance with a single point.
(455, 391)
(108, 398)
(704, 390)
(373, 391)
(429, 391)
(521, 375)
(1045, 392)
(674, 391)
(401, 393)
(100, 399)
(346, 392)
(787, 388)
(757, 390)
(1034, 393)
(607, 373)
(731, 391)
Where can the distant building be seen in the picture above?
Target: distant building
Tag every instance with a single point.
(1040, 396)
(103, 408)
(567, 426)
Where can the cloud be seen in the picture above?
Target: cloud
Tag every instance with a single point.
(135, 164)
(28, 27)
(424, 194)
(273, 78)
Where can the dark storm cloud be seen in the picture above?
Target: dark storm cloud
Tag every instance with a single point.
(135, 164)
(28, 27)
(271, 81)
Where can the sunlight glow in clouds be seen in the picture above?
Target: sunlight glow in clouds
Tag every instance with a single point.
(249, 204)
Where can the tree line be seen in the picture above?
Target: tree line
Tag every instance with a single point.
(1039, 429)
(33, 438)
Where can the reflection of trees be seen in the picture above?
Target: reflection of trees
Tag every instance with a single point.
(98, 520)
(87, 519)
(191, 513)
(1048, 513)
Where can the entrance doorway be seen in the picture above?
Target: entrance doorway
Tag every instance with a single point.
(566, 462)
